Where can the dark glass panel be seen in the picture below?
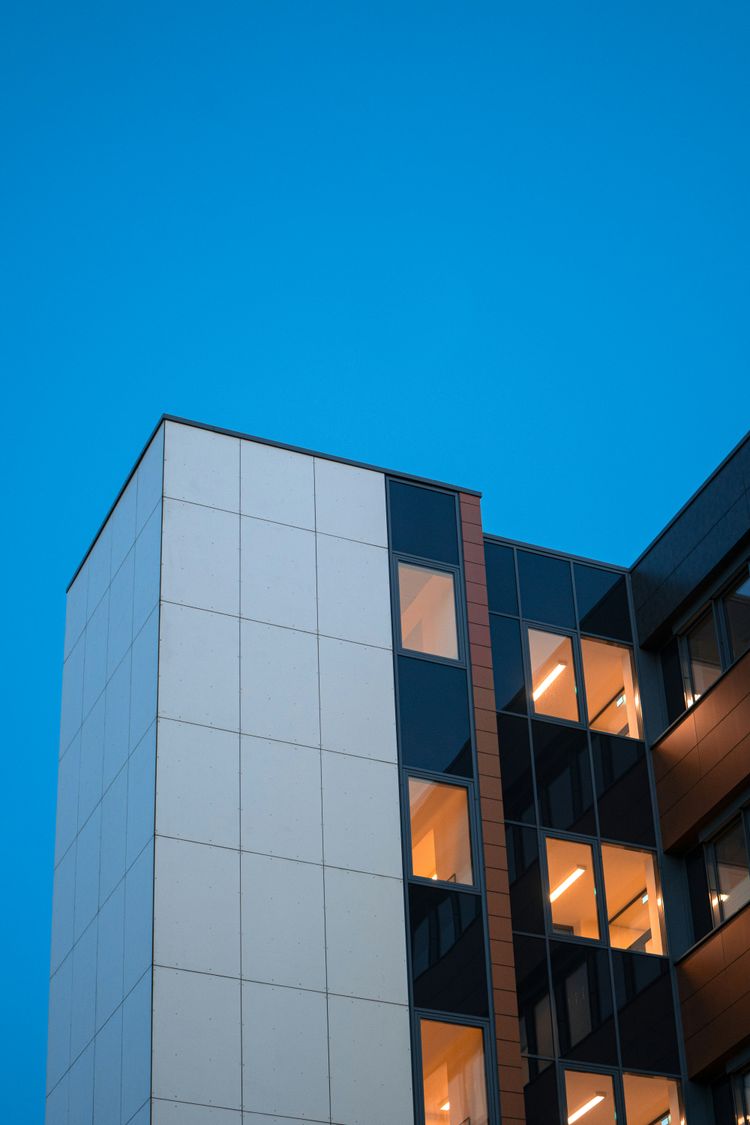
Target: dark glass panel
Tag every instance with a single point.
(532, 987)
(515, 768)
(671, 670)
(725, 1112)
(602, 598)
(423, 522)
(563, 778)
(433, 701)
(447, 947)
(583, 1001)
(622, 789)
(643, 989)
(501, 578)
(700, 903)
(526, 908)
(541, 1099)
(703, 650)
(546, 589)
(507, 664)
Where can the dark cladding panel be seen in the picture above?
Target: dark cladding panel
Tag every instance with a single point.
(507, 663)
(563, 777)
(447, 944)
(515, 768)
(546, 589)
(433, 701)
(526, 906)
(532, 986)
(622, 789)
(501, 579)
(423, 522)
(583, 1001)
(602, 599)
(648, 1036)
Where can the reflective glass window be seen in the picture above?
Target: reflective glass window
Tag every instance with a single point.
(515, 768)
(427, 603)
(454, 1082)
(540, 1094)
(501, 578)
(737, 609)
(730, 884)
(634, 907)
(622, 789)
(553, 675)
(423, 522)
(583, 1003)
(602, 600)
(589, 1098)
(611, 688)
(674, 688)
(546, 589)
(440, 836)
(643, 991)
(507, 664)
(532, 987)
(651, 1101)
(447, 947)
(526, 905)
(563, 777)
(703, 653)
(433, 704)
(572, 888)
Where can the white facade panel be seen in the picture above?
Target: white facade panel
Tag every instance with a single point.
(198, 784)
(201, 559)
(277, 485)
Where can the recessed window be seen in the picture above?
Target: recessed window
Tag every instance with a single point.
(737, 609)
(553, 677)
(703, 654)
(634, 906)
(589, 1098)
(453, 1074)
(427, 602)
(651, 1101)
(572, 888)
(440, 837)
(611, 691)
(729, 877)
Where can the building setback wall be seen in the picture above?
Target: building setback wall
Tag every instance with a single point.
(280, 984)
(99, 1046)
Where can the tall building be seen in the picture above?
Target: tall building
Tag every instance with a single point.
(369, 817)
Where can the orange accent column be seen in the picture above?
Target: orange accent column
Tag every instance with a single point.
(493, 828)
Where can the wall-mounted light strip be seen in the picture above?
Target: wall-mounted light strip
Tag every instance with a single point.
(568, 881)
(548, 680)
(585, 1108)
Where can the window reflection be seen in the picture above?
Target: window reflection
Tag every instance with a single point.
(572, 889)
(428, 610)
(730, 882)
(611, 690)
(453, 1074)
(703, 651)
(589, 1098)
(440, 839)
(553, 678)
(634, 906)
(651, 1101)
(737, 606)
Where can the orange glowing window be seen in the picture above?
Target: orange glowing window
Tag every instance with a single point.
(454, 1083)
(572, 888)
(440, 837)
(427, 603)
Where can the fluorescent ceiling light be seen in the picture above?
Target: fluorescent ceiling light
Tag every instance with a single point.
(719, 898)
(548, 680)
(585, 1108)
(620, 700)
(568, 881)
(445, 1107)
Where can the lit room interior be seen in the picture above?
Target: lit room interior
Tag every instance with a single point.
(553, 678)
(634, 905)
(428, 610)
(572, 888)
(611, 693)
(440, 837)
(589, 1098)
(453, 1074)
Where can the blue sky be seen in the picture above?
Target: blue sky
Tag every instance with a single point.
(502, 245)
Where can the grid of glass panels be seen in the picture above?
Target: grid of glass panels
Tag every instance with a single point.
(595, 989)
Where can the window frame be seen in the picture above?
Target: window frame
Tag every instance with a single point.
(445, 568)
(435, 1016)
(718, 917)
(600, 890)
(465, 783)
(573, 636)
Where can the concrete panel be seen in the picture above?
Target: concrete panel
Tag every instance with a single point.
(354, 601)
(361, 816)
(280, 684)
(278, 575)
(202, 467)
(365, 936)
(277, 485)
(198, 784)
(275, 776)
(370, 1062)
(350, 502)
(199, 667)
(201, 565)
(357, 705)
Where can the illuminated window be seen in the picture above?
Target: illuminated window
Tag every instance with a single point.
(589, 1098)
(703, 655)
(440, 838)
(737, 609)
(572, 888)
(428, 610)
(453, 1074)
(651, 1101)
(729, 877)
(611, 690)
(553, 677)
(634, 905)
